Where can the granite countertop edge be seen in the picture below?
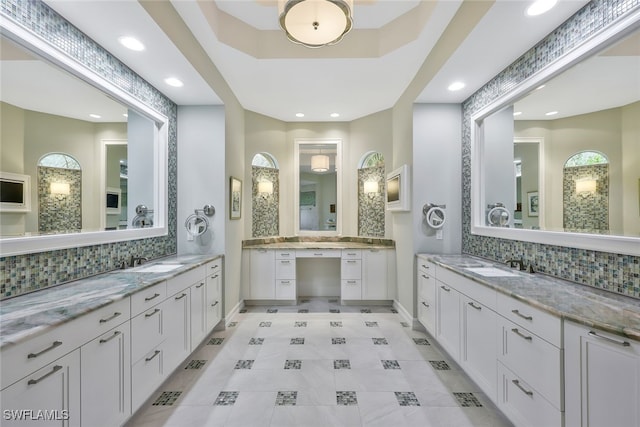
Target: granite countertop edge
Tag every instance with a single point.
(318, 242)
(44, 308)
(593, 299)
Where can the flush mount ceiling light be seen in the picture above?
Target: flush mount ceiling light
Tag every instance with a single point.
(540, 6)
(315, 23)
(319, 163)
(172, 81)
(131, 43)
(456, 86)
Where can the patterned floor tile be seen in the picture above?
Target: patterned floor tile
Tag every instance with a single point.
(226, 398)
(336, 324)
(195, 364)
(215, 341)
(293, 364)
(467, 400)
(421, 341)
(272, 310)
(407, 398)
(338, 340)
(285, 398)
(265, 324)
(341, 364)
(244, 364)
(167, 398)
(440, 365)
(256, 341)
(390, 364)
(297, 341)
(371, 324)
(346, 398)
(380, 341)
(233, 324)
(334, 310)
(300, 325)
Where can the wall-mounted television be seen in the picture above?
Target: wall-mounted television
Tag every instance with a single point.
(398, 189)
(114, 196)
(15, 192)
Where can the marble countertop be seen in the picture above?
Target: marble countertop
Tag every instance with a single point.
(583, 304)
(31, 314)
(318, 242)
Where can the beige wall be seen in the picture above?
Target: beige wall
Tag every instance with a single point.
(12, 160)
(616, 134)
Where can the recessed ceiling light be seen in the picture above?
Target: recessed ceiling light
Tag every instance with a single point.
(131, 43)
(540, 6)
(299, 114)
(334, 115)
(172, 81)
(455, 86)
(551, 113)
(95, 116)
(517, 113)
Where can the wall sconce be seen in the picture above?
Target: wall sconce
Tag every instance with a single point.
(265, 188)
(586, 186)
(371, 188)
(319, 163)
(59, 189)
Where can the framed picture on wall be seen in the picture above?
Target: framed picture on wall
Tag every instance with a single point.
(532, 203)
(235, 198)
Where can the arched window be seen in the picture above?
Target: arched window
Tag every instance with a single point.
(371, 159)
(59, 160)
(264, 160)
(586, 158)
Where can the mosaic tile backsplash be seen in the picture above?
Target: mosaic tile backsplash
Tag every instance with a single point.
(371, 208)
(59, 213)
(24, 273)
(265, 209)
(587, 212)
(610, 271)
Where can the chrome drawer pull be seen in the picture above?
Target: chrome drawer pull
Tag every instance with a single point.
(283, 254)
(215, 303)
(150, 298)
(54, 345)
(200, 285)
(444, 288)
(351, 282)
(426, 277)
(152, 313)
(517, 313)
(520, 334)
(351, 261)
(622, 343)
(155, 353)
(180, 297)
(214, 266)
(425, 266)
(53, 371)
(285, 282)
(285, 262)
(116, 314)
(315, 254)
(115, 334)
(524, 390)
(215, 277)
(351, 254)
(425, 304)
(477, 307)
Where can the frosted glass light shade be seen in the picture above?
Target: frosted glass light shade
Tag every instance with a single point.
(370, 187)
(319, 163)
(315, 23)
(60, 188)
(265, 187)
(586, 185)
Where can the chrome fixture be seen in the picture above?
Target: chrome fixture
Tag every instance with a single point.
(197, 223)
(137, 260)
(434, 215)
(520, 263)
(315, 23)
(143, 219)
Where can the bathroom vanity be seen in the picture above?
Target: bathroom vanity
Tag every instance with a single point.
(352, 268)
(546, 351)
(112, 339)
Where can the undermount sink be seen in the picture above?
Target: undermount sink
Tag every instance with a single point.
(491, 272)
(157, 268)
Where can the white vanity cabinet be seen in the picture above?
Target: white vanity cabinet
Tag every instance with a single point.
(262, 274)
(426, 273)
(602, 378)
(375, 283)
(448, 318)
(55, 388)
(285, 275)
(213, 295)
(176, 328)
(351, 274)
(105, 378)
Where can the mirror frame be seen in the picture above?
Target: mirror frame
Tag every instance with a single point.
(298, 142)
(31, 244)
(602, 243)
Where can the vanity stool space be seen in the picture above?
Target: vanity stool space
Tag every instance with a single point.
(109, 353)
(546, 352)
(357, 272)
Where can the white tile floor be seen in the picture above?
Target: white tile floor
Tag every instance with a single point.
(310, 365)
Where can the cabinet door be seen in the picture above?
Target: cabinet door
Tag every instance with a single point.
(176, 329)
(427, 301)
(602, 380)
(146, 331)
(52, 392)
(146, 375)
(448, 324)
(374, 274)
(198, 313)
(213, 300)
(262, 274)
(105, 378)
(351, 269)
(479, 350)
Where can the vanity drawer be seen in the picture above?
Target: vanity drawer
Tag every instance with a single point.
(319, 253)
(285, 269)
(213, 266)
(285, 289)
(184, 280)
(148, 297)
(426, 267)
(351, 269)
(533, 359)
(545, 325)
(285, 254)
(351, 254)
(146, 331)
(351, 289)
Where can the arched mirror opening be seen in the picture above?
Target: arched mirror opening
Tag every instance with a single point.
(371, 192)
(583, 108)
(59, 194)
(585, 193)
(265, 195)
(317, 196)
(121, 146)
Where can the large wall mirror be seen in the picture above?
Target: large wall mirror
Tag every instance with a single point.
(317, 195)
(562, 153)
(53, 110)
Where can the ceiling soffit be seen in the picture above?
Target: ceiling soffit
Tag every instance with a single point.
(359, 43)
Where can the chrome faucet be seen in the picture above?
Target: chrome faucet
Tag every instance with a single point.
(137, 260)
(513, 262)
